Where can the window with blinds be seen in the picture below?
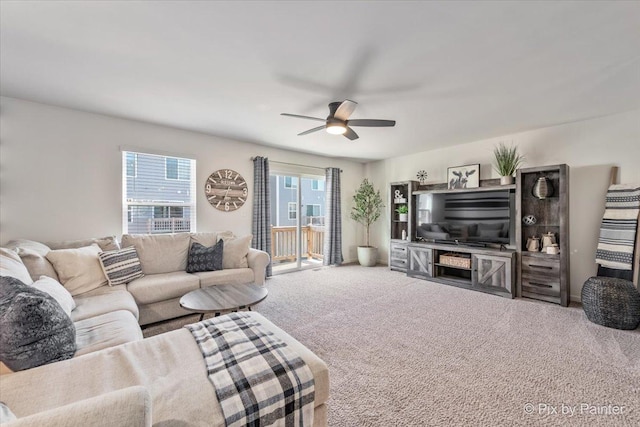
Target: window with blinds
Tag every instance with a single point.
(158, 194)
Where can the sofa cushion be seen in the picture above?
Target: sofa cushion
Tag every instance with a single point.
(106, 330)
(104, 300)
(79, 269)
(162, 253)
(37, 263)
(203, 258)
(205, 239)
(235, 252)
(159, 287)
(57, 291)
(121, 266)
(12, 266)
(34, 330)
(229, 276)
(107, 243)
(37, 247)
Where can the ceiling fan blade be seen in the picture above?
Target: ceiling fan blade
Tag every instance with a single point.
(302, 117)
(306, 132)
(350, 134)
(372, 123)
(345, 109)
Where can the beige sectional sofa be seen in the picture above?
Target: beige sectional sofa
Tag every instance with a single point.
(118, 378)
(164, 259)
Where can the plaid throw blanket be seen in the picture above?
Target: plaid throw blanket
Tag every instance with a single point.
(619, 226)
(259, 380)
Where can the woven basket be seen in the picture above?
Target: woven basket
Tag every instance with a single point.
(455, 260)
(611, 302)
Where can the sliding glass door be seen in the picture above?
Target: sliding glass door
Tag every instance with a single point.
(297, 221)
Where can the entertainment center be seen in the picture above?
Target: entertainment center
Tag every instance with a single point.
(486, 238)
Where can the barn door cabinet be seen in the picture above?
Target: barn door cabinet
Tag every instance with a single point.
(483, 269)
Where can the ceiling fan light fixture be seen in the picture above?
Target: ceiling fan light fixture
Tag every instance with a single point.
(336, 128)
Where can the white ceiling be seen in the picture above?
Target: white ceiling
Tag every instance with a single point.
(448, 72)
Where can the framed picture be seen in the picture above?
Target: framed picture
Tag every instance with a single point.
(467, 176)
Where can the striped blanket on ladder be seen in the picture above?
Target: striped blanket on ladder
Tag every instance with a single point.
(259, 380)
(619, 227)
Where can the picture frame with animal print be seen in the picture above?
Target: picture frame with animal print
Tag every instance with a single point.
(465, 176)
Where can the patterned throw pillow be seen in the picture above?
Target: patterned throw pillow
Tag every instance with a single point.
(34, 329)
(202, 258)
(121, 266)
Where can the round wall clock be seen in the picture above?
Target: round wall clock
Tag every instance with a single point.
(226, 190)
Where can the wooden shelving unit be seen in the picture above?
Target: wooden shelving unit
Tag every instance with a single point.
(543, 276)
(397, 227)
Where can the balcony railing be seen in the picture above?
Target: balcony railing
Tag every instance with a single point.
(283, 243)
(168, 225)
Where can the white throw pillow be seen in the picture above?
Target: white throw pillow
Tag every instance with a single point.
(57, 291)
(11, 265)
(79, 269)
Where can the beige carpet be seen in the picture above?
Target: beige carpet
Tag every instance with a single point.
(406, 352)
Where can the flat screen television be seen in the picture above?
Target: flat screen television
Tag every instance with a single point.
(467, 217)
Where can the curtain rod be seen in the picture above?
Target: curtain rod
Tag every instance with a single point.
(294, 164)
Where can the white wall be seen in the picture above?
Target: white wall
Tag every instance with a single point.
(61, 172)
(589, 147)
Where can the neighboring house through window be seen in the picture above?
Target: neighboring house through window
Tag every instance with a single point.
(290, 182)
(176, 168)
(313, 210)
(317, 185)
(292, 209)
(132, 164)
(159, 194)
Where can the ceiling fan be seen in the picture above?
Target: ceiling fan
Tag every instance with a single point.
(338, 123)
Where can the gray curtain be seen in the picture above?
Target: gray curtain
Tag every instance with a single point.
(261, 207)
(333, 219)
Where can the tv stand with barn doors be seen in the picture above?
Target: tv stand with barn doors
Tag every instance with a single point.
(481, 269)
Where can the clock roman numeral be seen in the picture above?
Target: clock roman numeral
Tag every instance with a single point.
(234, 205)
(241, 199)
(242, 184)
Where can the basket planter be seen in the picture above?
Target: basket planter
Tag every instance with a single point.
(455, 260)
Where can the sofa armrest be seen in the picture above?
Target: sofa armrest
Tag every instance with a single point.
(258, 261)
(127, 407)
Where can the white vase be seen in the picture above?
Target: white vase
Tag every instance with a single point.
(506, 180)
(367, 256)
(403, 217)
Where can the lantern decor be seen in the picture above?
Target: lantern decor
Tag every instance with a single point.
(542, 188)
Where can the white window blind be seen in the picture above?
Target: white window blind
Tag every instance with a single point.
(158, 194)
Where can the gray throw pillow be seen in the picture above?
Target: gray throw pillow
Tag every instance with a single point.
(202, 258)
(34, 329)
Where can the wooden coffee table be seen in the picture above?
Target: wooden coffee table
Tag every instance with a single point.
(222, 298)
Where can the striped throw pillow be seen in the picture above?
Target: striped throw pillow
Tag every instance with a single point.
(121, 266)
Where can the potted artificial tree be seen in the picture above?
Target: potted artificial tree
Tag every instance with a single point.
(367, 207)
(507, 162)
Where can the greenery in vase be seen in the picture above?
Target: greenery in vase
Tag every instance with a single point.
(507, 159)
(403, 209)
(367, 206)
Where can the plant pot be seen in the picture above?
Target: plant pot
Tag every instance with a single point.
(367, 256)
(506, 180)
(403, 217)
